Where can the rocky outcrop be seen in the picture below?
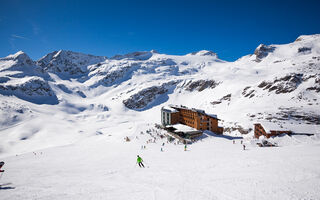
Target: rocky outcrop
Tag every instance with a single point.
(263, 51)
(33, 89)
(224, 98)
(247, 92)
(304, 50)
(146, 96)
(204, 53)
(199, 85)
(68, 63)
(139, 55)
(284, 84)
(22, 78)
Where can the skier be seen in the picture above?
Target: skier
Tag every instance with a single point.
(185, 147)
(161, 149)
(139, 161)
(244, 147)
(1, 164)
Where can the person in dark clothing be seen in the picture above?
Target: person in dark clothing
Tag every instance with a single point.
(1, 164)
(139, 161)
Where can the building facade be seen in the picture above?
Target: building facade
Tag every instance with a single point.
(259, 130)
(195, 118)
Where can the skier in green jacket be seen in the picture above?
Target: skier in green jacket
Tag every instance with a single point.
(139, 161)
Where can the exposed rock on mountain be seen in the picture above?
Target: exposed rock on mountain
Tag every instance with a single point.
(21, 77)
(68, 62)
(33, 89)
(199, 85)
(148, 95)
(224, 98)
(139, 55)
(263, 51)
(284, 84)
(204, 53)
(247, 92)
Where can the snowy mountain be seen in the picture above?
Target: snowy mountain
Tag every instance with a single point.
(77, 88)
(21, 77)
(68, 63)
(63, 120)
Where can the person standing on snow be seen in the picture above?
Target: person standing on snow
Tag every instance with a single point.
(1, 164)
(185, 147)
(139, 161)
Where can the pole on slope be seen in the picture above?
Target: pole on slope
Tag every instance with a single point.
(1, 176)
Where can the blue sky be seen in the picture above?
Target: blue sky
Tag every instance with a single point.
(230, 28)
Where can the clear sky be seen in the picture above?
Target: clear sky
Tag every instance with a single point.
(230, 28)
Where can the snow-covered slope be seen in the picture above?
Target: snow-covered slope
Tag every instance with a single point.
(21, 77)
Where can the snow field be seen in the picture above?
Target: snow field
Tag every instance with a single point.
(104, 167)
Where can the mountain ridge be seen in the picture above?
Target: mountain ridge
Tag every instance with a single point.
(277, 83)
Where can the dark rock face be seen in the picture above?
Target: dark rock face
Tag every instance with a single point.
(68, 62)
(200, 85)
(144, 97)
(284, 84)
(224, 98)
(139, 55)
(262, 51)
(304, 50)
(248, 93)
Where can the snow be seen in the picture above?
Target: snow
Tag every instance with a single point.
(269, 126)
(168, 108)
(183, 128)
(80, 151)
(103, 167)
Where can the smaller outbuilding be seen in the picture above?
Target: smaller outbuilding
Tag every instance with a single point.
(269, 129)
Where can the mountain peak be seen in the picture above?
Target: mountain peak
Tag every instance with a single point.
(20, 57)
(307, 37)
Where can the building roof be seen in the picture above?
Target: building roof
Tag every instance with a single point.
(183, 128)
(169, 109)
(296, 128)
(269, 126)
(192, 109)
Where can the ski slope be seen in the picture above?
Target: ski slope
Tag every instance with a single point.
(103, 167)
